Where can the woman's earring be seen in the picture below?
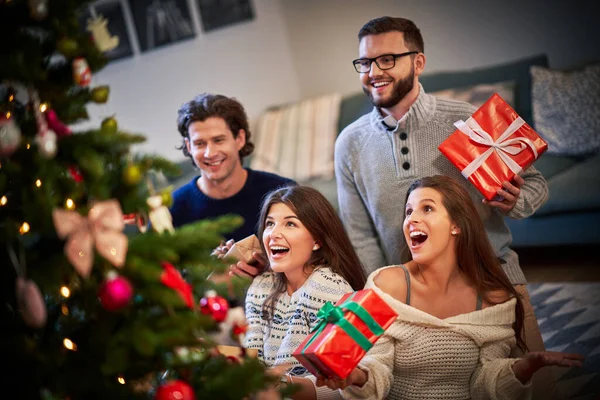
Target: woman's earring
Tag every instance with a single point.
(454, 233)
(316, 247)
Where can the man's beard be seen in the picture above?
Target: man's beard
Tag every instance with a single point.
(401, 89)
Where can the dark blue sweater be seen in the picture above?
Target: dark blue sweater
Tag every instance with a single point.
(191, 205)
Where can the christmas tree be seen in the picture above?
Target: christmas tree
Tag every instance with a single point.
(90, 309)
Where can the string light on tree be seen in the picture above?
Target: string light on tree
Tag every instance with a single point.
(3, 200)
(70, 204)
(24, 228)
(121, 380)
(65, 292)
(64, 309)
(38, 183)
(69, 345)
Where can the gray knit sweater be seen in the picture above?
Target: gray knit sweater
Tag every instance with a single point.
(377, 158)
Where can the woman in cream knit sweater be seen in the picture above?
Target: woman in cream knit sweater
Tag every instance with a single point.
(459, 316)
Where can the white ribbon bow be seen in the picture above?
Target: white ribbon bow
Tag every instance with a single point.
(502, 146)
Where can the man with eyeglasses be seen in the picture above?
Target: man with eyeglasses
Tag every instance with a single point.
(381, 153)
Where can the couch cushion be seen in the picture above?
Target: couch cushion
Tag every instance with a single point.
(566, 109)
(517, 71)
(576, 188)
(479, 94)
(353, 107)
(551, 164)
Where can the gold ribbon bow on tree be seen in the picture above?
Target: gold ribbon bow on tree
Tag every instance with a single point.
(103, 226)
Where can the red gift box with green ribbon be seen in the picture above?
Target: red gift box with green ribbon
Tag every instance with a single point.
(493, 145)
(344, 333)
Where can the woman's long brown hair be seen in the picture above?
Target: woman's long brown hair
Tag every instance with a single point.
(320, 218)
(474, 253)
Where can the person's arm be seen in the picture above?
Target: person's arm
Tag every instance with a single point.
(353, 211)
(494, 377)
(523, 196)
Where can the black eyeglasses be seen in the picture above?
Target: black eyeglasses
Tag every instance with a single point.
(385, 61)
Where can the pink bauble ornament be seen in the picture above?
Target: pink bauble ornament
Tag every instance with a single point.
(10, 136)
(31, 303)
(115, 293)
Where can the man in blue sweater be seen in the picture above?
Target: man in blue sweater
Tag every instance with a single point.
(216, 137)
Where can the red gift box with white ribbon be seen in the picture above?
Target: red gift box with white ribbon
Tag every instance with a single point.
(492, 146)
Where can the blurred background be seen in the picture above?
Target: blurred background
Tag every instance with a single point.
(284, 51)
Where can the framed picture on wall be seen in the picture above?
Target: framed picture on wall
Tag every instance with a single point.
(105, 20)
(161, 22)
(220, 13)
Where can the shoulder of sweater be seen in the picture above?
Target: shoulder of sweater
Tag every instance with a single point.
(186, 187)
(262, 282)
(454, 108)
(355, 130)
(500, 314)
(327, 275)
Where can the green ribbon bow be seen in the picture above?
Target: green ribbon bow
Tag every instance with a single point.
(330, 314)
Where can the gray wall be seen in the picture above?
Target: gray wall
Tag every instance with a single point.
(458, 34)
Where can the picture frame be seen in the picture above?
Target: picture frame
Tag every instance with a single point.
(115, 27)
(216, 14)
(161, 22)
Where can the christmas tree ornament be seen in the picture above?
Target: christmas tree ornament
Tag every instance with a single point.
(75, 174)
(115, 293)
(56, 124)
(167, 197)
(67, 47)
(31, 303)
(175, 390)
(82, 74)
(138, 219)
(102, 227)
(10, 136)
(109, 125)
(97, 26)
(160, 216)
(214, 305)
(38, 9)
(236, 322)
(132, 175)
(100, 94)
(46, 144)
(45, 138)
(171, 277)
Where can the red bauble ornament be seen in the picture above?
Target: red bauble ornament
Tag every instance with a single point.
(115, 293)
(214, 305)
(75, 174)
(175, 390)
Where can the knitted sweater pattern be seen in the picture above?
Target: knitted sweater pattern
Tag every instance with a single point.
(293, 319)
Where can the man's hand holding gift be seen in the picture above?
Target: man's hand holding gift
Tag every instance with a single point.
(507, 196)
(251, 259)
